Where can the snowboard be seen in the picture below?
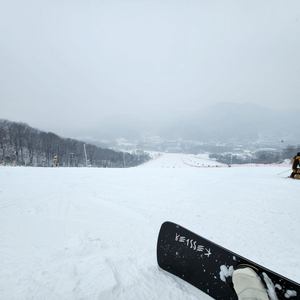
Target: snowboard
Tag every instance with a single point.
(209, 267)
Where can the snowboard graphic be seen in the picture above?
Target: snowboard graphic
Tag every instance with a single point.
(209, 266)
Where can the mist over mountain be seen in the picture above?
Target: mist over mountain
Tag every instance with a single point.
(224, 121)
(128, 126)
(220, 122)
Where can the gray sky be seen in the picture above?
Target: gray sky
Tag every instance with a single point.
(67, 64)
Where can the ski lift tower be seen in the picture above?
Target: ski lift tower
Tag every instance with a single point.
(86, 160)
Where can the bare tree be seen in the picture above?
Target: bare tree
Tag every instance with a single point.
(3, 136)
(17, 138)
(31, 135)
(50, 145)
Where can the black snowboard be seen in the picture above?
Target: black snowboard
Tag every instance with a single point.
(209, 266)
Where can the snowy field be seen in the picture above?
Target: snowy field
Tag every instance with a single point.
(87, 233)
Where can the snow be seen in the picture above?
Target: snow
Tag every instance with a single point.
(289, 294)
(91, 233)
(271, 289)
(225, 272)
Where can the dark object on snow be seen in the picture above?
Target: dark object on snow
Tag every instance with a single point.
(296, 167)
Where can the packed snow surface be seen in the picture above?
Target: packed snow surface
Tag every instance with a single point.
(91, 233)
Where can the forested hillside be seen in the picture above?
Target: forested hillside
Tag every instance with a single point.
(22, 144)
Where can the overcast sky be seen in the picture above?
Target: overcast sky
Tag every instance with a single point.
(67, 64)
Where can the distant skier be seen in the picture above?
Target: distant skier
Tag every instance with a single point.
(248, 285)
(296, 167)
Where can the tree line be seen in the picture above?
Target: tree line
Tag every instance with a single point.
(23, 144)
(260, 157)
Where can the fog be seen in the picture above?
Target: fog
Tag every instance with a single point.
(72, 65)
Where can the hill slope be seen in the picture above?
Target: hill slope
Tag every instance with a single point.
(83, 233)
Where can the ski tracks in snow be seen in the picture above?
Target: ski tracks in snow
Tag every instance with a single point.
(91, 233)
(136, 278)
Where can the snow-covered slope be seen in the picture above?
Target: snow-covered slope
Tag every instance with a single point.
(85, 233)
